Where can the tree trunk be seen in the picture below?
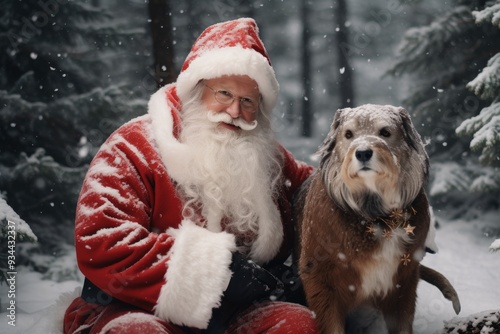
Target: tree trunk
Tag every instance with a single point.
(307, 114)
(163, 47)
(345, 82)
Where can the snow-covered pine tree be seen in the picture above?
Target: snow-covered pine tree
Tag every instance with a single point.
(57, 105)
(442, 58)
(485, 127)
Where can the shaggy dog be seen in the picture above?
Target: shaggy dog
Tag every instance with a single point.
(364, 221)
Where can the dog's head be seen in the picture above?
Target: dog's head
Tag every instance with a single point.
(373, 160)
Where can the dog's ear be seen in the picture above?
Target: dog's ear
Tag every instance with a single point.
(328, 144)
(412, 138)
(336, 120)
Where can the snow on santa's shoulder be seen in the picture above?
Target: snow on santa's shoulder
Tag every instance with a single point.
(102, 167)
(112, 145)
(105, 206)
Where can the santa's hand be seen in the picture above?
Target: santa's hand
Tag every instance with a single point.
(249, 284)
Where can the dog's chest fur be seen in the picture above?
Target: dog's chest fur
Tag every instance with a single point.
(361, 259)
(377, 274)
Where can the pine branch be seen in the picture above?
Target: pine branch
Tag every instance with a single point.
(485, 129)
(487, 181)
(421, 46)
(449, 176)
(487, 84)
(489, 14)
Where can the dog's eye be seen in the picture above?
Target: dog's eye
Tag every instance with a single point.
(348, 134)
(385, 133)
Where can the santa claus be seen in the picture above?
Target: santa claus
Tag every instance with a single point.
(185, 212)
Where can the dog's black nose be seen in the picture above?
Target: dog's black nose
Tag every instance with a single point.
(364, 155)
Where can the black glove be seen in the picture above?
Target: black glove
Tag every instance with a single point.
(249, 284)
(293, 291)
(92, 294)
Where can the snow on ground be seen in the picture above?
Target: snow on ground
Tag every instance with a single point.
(36, 297)
(463, 258)
(473, 270)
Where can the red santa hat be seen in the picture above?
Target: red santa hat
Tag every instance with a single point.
(230, 48)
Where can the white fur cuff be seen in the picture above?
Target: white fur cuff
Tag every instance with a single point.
(197, 275)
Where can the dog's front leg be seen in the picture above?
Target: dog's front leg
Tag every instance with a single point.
(403, 325)
(323, 301)
(332, 320)
(399, 306)
(330, 316)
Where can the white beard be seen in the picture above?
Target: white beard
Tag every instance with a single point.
(233, 175)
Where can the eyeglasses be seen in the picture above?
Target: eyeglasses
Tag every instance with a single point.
(226, 97)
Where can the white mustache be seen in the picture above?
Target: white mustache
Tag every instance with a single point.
(226, 118)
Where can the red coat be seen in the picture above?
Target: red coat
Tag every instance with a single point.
(130, 237)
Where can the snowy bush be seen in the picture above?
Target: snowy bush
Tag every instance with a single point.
(64, 267)
(13, 231)
(44, 192)
(495, 246)
(483, 322)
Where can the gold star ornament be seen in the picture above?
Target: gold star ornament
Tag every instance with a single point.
(409, 229)
(370, 229)
(405, 259)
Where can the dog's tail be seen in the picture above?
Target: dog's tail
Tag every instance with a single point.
(439, 281)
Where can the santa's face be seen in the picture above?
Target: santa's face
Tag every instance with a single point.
(233, 100)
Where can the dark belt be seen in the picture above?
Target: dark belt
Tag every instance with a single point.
(92, 294)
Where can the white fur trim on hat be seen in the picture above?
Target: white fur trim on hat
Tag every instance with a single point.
(234, 60)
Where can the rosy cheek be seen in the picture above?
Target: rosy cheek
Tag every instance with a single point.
(248, 117)
(216, 107)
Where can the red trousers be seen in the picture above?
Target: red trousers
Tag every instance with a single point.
(271, 318)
